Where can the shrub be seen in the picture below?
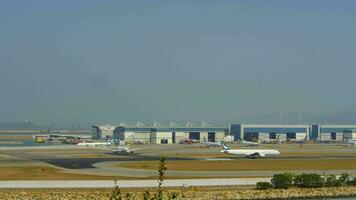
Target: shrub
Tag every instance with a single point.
(309, 181)
(263, 185)
(173, 195)
(283, 181)
(116, 193)
(146, 195)
(161, 171)
(344, 178)
(332, 181)
(351, 181)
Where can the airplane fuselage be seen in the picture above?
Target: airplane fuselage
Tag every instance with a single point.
(212, 144)
(253, 153)
(94, 144)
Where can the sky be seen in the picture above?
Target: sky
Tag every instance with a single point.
(84, 62)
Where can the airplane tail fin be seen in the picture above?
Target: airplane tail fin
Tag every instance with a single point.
(225, 147)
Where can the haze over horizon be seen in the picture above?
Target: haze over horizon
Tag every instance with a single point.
(84, 62)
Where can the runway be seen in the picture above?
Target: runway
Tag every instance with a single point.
(99, 161)
(113, 168)
(84, 163)
(131, 183)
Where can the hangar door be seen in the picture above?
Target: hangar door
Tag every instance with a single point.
(211, 136)
(194, 135)
(291, 136)
(333, 135)
(251, 137)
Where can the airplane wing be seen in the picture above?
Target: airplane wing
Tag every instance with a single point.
(105, 148)
(255, 155)
(136, 149)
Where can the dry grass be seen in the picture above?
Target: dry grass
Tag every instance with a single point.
(15, 137)
(48, 173)
(249, 165)
(316, 154)
(44, 173)
(283, 154)
(199, 155)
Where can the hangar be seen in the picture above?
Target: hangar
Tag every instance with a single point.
(175, 133)
(267, 132)
(329, 132)
(103, 132)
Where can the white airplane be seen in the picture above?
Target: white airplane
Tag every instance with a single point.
(273, 141)
(124, 150)
(249, 143)
(211, 144)
(304, 141)
(250, 153)
(350, 142)
(96, 144)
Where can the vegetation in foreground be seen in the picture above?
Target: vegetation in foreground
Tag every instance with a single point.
(196, 193)
(313, 180)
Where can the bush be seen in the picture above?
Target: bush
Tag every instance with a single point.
(283, 181)
(116, 193)
(332, 181)
(351, 181)
(344, 178)
(263, 185)
(309, 181)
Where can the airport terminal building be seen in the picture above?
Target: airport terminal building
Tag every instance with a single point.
(268, 132)
(330, 132)
(175, 133)
(103, 131)
(171, 134)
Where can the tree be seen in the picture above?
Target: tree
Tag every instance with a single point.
(264, 185)
(283, 181)
(161, 170)
(116, 193)
(309, 181)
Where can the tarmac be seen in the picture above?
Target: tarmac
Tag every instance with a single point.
(131, 183)
(96, 161)
(113, 168)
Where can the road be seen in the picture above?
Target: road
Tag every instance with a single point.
(113, 168)
(131, 183)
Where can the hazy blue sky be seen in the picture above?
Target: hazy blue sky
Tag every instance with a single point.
(84, 61)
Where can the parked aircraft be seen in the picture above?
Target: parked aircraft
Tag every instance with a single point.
(304, 141)
(211, 144)
(250, 153)
(122, 150)
(249, 143)
(273, 141)
(350, 142)
(96, 144)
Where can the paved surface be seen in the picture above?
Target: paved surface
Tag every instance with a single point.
(131, 183)
(113, 168)
(101, 161)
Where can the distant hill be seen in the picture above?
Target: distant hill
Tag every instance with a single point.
(19, 126)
